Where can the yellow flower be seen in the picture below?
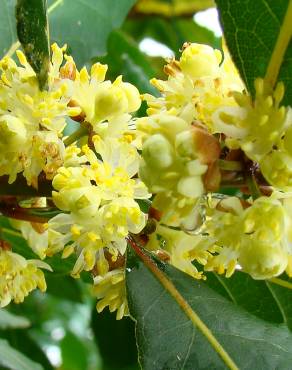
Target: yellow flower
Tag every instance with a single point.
(99, 196)
(36, 235)
(110, 289)
(255, 126)
(199, 60)
(175, 159)
(105, 105)
(32, 121)
(183, 249)
(18, 277)
(197, 86)
(257, 238)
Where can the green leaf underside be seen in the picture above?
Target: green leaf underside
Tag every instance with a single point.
(251, 29)
(15, 360)
(11, 321)
(86, 24)
(168, 340)
(32, 31)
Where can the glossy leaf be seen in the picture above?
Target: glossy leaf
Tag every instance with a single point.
(32, 31)
(264, 299)
(283, 297)
(254, 296)
(167, 339)
(251, 29)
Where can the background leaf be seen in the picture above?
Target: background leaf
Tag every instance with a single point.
(121, 340)
(168, 340)
(11, 321)
(124, 57)
(171, 32)
(15, 360)
(32, 31)
(251, 29)
(86, 24)
(7, 25)
(73, 353)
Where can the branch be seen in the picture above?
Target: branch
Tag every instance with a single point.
(278, 54)
(19, 187)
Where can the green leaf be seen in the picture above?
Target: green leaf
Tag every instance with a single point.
(21, 341)
(32, 31)
(265, 299)
(160, 301)
(11, 321)
(86, 24)
(65, 288)
(251, 29)
(82, 24)
(283, 297)
(73, 353)
(14, 360)
(7, 25)
(252, 295)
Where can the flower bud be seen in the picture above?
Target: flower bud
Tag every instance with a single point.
(109, 101)
(133, 96)
(12, 133)
(263, 260)
(157, 152)
(200, 60)
(276, 167)
(191, 186)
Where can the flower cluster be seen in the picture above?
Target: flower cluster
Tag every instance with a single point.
(197, 85)
(262, 129)
(255, 236)
(18, 277)
(203, 132)
(178, 164)
(31, 120)
(99, 198)
(204, 114)
(106, 106)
